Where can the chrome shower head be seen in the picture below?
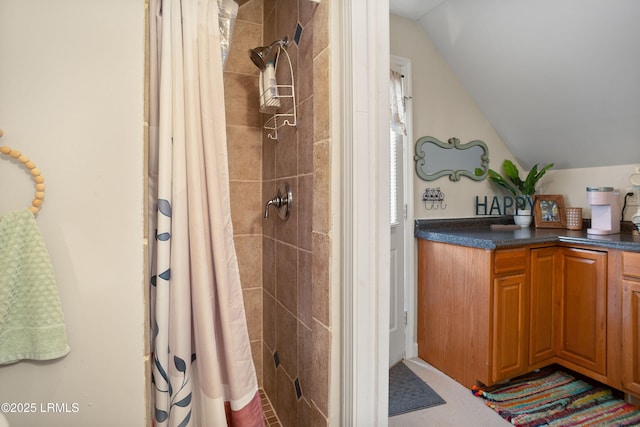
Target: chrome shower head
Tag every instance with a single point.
(261, 55)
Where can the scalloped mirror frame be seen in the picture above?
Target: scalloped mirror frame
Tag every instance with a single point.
(452, 144)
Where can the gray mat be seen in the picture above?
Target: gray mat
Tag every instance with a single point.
(408, 393)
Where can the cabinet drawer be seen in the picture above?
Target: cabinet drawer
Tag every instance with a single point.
(631, 264)
(509, 261)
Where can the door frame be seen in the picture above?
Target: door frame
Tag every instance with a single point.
(363, 89)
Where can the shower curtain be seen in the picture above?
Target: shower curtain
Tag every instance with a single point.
(202, 370)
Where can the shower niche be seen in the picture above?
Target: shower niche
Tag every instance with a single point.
(277, 99)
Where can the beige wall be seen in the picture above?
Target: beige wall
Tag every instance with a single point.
(284, 265)
(442, 108)
(572, 184)
(71, 99)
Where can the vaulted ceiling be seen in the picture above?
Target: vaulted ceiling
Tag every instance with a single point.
(558, 79)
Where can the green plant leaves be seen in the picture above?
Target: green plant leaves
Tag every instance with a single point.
(513, 183)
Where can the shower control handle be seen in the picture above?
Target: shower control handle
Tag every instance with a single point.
(282, 201)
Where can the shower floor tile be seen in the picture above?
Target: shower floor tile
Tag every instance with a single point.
(270, 417)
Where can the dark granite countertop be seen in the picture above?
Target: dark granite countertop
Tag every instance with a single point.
(477, 233)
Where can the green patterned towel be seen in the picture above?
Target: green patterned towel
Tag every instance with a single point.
(31, 320)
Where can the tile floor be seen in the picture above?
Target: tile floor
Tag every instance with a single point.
(270, 416)
(462, 407)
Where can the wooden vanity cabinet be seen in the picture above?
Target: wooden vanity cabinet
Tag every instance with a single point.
(490, 315)
(454, 305)
(631, 321)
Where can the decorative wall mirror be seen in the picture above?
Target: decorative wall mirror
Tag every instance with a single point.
(435, 158)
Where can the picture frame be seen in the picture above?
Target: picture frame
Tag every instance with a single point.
(548, 211)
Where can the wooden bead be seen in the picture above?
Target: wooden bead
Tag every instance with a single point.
(35, 172)
(1, 133)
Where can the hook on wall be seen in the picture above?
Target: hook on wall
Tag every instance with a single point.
(433, 199)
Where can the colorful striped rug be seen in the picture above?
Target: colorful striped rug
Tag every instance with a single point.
(555, 398)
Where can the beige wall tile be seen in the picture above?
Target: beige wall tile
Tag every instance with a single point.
(245, 207)
(321, 338)
(305, 136)
(286, 400)
(253, 312)
(246, 35)
(304, 76)
(269, 265)
(287, 18)
(287, 340)
(244, 148)
(318, 419)
(269, 322)
(287, 152)
(306, 10)
(256, 353)
(287, 276)
(305, 285)
(320, 272)
(321, 98)
(249, 253)
(304, 409)
(321, 25)
(269, 374)
(268, 157)
(305, 211)
(305, 358)
(321, 187)
(241, 100)
(251, 11)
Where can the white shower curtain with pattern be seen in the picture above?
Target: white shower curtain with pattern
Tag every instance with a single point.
(203, 373)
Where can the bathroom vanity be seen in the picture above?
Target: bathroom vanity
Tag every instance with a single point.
(495, 304)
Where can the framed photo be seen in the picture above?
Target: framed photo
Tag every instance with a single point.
(548, 211)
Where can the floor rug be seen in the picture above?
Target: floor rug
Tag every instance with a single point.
(407, 392)
(553, 397)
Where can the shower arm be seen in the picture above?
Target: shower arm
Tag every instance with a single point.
(259, 55)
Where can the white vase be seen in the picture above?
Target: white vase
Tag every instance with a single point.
(523, 218)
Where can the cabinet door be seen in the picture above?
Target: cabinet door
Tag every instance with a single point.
(510, 314)
(631, 322)
(543, 317)
(582, 297)
(631, 336)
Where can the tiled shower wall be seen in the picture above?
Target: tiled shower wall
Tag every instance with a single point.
(284, 265)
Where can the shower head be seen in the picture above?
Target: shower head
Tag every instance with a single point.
(260, 55)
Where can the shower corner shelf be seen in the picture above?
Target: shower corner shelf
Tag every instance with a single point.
(285, 92)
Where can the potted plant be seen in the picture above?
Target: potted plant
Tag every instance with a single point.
(522, 190)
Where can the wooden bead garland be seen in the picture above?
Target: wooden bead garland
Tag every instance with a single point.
(35, 173)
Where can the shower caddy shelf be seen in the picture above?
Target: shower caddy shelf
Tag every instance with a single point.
(279, 120)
